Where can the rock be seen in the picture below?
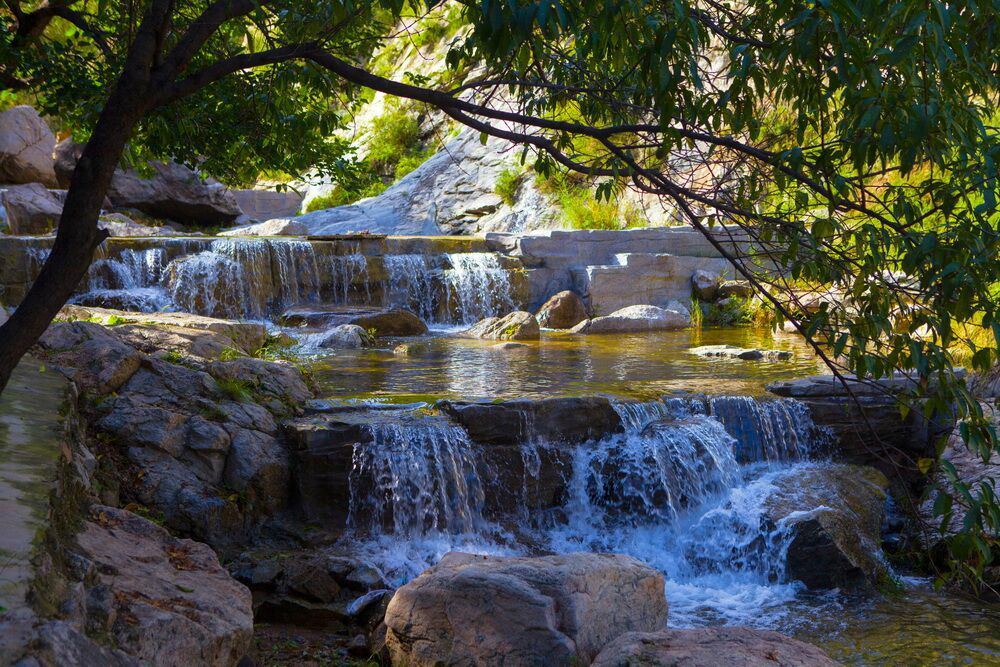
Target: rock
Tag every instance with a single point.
(518, 325)
(637, 319)
(746, 354)
(562, 311)
(66, 154)
(276, 227)
(32, 209)
(345, 336)
(834, 513)
(737, 288)
(710, 647)
(281, 383)
(94, 359)
(164, 600)
(395, 322)
(550, 610)
(120, 225)
(26, 146)
(58, 643)
(268, 204)
(568, 419)
(509, 345)
(165, 341)
(4, 316)
(705, 284)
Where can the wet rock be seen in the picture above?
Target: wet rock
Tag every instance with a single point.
(569, 419)
(26, 146)
(834, 513)
(31, 209)
(746, 354)
(562, 311)
(471, 609)
(394, 322)
(276, 227)
(710, 647)
(168, 601)
(518, 325)
(344, 336)
(737, 288)
(705, 285)
(637, 319)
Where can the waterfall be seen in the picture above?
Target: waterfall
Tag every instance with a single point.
(232, 279)
(774, 430)
(410, 285)
(304, 275)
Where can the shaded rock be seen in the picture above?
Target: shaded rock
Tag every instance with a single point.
(518, 325)
(276, 227)
(562, 311)
(26, 146)
(555, 610)
(637, 319)
(705, 284)
(568, 419)
(746, 354)
(167, 601)
(268, 204)
(345, 336)
(834, 513)
(737, 288)
(258, 467)
(59, 643)
(94, 358)
(32, 209)
(710, 647)
(395, 322)
(66, 154)
(385, 321)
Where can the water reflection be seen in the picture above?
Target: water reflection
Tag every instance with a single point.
(635, 365)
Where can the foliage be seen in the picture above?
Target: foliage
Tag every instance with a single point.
(230, 354)
(235, 389)
(507, 185)
(582, 209)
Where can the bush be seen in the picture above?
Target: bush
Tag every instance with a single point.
(508, 183)
(582, 210)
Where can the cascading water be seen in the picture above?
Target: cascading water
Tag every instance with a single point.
(129, 281)
(680, 489)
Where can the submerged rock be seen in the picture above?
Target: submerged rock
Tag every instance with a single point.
(550, 610)
(31, 209)
(562, 311)
(518, 325)
(26, 145)
(746, 354)
(710, 647)
(166, 601)
(834, 513)
(637, 319)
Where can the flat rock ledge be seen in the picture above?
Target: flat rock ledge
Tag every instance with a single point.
(711, 647)
(550, 610)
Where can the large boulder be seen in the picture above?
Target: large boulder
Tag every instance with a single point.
(32, 209)
(26, 145)
(166, 601)
(634, 319)
(562, 311)
(394, 322)
(551, 610)
(93, 358)
(710, 647)
(833, 514)
(518, 325)
(705, 284)
(343, 337)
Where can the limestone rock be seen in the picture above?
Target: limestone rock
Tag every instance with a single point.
(552, 610)
(166, 601)
(834, 513)
(746, 354)
(710, 647)
(518, 325)
(32, 209)
(705, 284)
(26, 146)
(637, 319)
(731, 288)
(562, 311)
(344, 336)
(275, 227)
(394, 322)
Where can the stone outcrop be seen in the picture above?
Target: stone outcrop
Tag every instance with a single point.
(710, 647)
(734, 288)
(743, 353)
(471, 609)
(164, 601)
(26, 146)
(705, 285)
(120, 225)
(32, 209)
(268, 204)
(269, 228)
(384, 321)
(518, 325)
(567, 420)
(562, 311)
(634, 319)
(834, 514)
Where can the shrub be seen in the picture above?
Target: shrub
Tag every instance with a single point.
(508, 183)
(240, 391)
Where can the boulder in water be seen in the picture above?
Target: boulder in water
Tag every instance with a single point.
(705, 284)
(746, 354)
(550, 610)
(394, 322)
(710, 647)
(562, 311)
(32, 209)
(834, 513)
(344, 336)
(518, 325)
(26, 145)
(634, 319)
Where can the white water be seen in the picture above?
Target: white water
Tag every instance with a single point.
(669, 491)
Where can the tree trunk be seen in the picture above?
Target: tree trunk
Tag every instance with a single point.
(78, 235)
